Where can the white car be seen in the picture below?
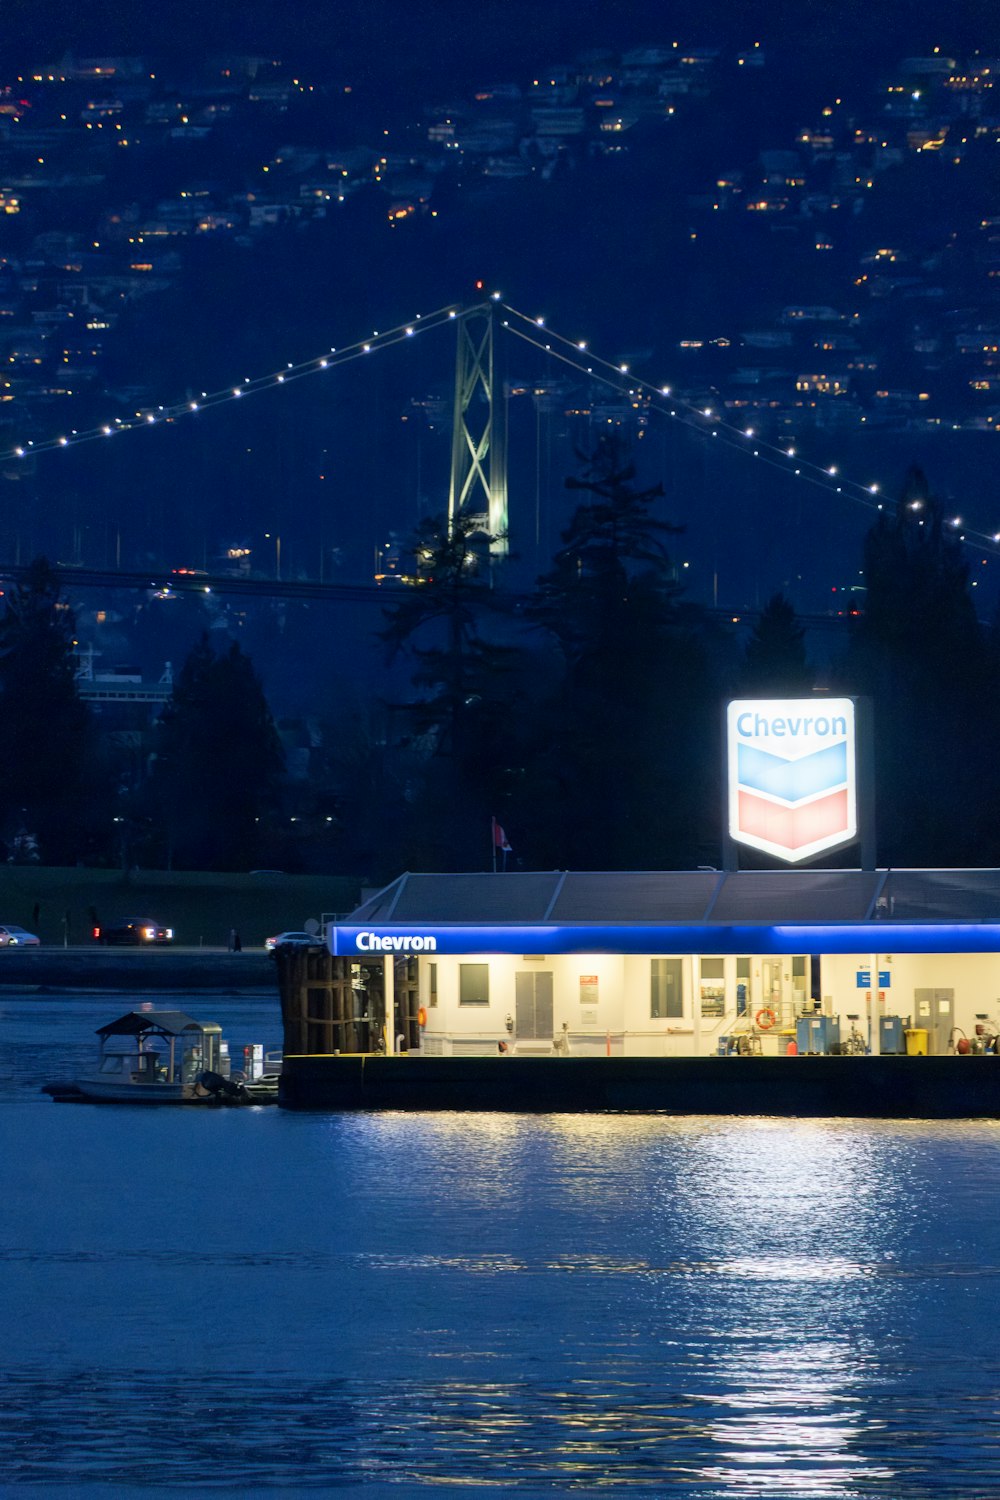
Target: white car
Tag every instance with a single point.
(16, 937)
(294, 940)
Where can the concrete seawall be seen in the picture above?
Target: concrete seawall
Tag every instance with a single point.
(135, 969)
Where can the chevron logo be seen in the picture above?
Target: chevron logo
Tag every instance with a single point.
(792, 779)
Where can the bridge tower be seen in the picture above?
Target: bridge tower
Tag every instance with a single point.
(478, 488)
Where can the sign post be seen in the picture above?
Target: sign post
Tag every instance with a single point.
(389, 985)
(875, 1028)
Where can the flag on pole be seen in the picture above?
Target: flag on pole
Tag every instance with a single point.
(499, 841)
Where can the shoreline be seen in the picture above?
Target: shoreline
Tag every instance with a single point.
(66, 970)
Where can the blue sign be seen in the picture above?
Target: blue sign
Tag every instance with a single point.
(417, 937)
(863, 979)
(884, 979)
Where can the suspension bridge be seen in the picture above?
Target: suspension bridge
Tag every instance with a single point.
(478, 484)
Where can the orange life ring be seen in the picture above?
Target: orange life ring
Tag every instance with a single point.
(421, 1017)
(765, 1018)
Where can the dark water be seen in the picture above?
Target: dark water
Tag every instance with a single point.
(246, 1302)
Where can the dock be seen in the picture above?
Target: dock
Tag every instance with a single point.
(930, 1088)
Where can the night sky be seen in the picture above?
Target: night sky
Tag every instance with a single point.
(393, 37)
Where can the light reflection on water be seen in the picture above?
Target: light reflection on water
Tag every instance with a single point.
(711, 1308)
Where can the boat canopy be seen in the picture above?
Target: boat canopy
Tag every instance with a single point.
(160, 1022)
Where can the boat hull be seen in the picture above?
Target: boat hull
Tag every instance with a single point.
(111, 1091)
(820, 1087)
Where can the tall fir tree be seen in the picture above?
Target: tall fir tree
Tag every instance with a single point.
(461, 726)
(920, 653)
(775, 660)
(50, 781)
(214, 783)
(623, 773)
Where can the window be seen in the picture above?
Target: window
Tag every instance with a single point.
(432, 985)
(473, 984)
(666, 988)
(713, 986)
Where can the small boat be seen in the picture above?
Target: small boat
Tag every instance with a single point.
(258, 1085)
(158, 1057)
(262, 1087)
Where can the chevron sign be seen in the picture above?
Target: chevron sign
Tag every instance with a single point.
(792, 775)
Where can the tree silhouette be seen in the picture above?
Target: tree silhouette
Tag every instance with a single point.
(461, 729)
(620, 775)
(611, 544)
(919, 652)
(775, 659)
(214, 783)
(439, 623)
(50, 783)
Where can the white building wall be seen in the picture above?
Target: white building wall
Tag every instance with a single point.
(974, 977)
(613, 1014)
(592, 1013)
(601, 1004)
(665, 1036)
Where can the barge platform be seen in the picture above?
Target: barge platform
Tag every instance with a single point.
(891, 1087)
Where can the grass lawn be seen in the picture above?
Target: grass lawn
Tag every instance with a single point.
(62, 904)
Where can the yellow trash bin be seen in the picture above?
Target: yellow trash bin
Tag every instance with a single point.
(916, 1042)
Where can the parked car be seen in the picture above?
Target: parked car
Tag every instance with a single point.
(16, 937)
(136, 930)
(294, 940)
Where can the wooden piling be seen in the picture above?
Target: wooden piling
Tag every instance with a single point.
(335, 1004)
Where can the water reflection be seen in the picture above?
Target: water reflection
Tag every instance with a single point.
(792, 1409)
(698, 1309)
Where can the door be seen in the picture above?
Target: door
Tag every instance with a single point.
(771, 990)
(936, 1015)
(533, 1004)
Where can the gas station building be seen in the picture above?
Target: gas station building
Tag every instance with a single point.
(688, 963)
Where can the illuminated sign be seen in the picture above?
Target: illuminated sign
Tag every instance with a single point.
(373, 942)
(792, 775)
(461, 939)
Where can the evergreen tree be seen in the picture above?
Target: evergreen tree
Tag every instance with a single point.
(623, 774)
(919, 652)
(460, 728)
(612, 542)
(775, 660)
(373, 777)
(50, 787)
(439, 623)
(214, 784)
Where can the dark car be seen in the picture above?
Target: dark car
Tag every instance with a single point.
(136, 930)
